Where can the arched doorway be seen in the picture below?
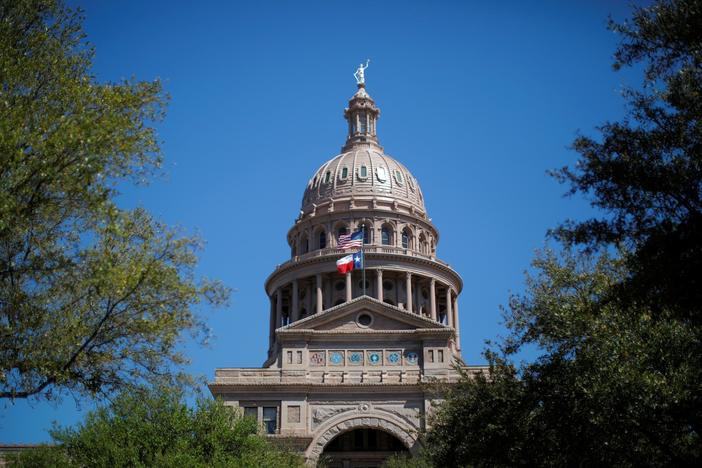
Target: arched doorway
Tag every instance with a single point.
(360, 448)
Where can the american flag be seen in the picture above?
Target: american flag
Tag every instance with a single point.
(349, 241)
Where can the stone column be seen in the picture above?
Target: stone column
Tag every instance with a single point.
(295, 314)
(319, 293)
(349, 296)
(408, 290)
(279, 308)
(457, 324)
(449, 309)
(432, 300)
(328, 290)
(271, 331)
(379, 284)
(308, 297)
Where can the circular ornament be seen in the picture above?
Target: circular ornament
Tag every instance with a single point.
(336, 357)
(412, 357)
(374, 358)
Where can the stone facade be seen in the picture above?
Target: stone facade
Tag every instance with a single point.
(348, 354)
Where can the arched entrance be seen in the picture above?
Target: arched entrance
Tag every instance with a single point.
(361, 448)
(373, 437)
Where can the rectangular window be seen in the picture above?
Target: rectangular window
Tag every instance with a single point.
(431, 355)
(270, 419)
(364, 172)
(299, 357)
(289, 357)
(344, 173)
(441, 355)
(251, 412)
(293, 414)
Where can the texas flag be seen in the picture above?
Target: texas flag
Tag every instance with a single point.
(350, 262)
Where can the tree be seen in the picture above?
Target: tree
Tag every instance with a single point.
(155, 428)
(611, 387)
(645, 173)
(92, 297)
(617, 323)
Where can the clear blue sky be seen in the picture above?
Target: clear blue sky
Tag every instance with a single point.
(478, 100)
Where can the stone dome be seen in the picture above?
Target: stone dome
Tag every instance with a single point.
(363, 173)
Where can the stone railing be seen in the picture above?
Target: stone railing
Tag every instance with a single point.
(371, 249)
(251, 376)
(326, 376)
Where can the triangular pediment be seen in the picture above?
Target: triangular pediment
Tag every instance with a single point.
(346, 317)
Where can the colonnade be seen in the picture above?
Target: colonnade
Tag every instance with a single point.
(442, 301)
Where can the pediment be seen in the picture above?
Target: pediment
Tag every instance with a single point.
(344, 317)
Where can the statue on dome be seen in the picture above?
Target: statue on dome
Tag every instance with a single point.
(360, 74)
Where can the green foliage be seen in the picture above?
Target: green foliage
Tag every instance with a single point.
(645, 172)
(618, 324)
(406, 461)
(612, 386)
(156, 428)
(92, 297)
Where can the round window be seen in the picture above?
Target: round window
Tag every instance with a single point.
(364, 319)
(360, 284)
(387, 285)
(339, 286)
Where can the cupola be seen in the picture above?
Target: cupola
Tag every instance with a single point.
(362, 116)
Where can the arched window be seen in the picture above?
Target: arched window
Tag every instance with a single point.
(344, 173)
(363, 172)
(341, 231)
(386, 235)
(304, 245)
(405, 239)
(322, 239)
(327, 177)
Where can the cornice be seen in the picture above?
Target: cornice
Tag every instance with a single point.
(291, 265)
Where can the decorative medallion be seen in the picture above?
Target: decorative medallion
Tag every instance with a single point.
(375, 358)
(336, 358)
(393, 358)
(317, 358)
(355, 358)
(412, 357)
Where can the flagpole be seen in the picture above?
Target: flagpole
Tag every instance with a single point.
(363, 258)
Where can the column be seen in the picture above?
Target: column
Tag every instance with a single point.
(319, 293)
(432, 301)
(456, 324)
(308, 297)
(295, 313)
(449, 309)
(328, 291)
(408, 290)
(271, 325)
(279, 308)
(379, 284)
(348, 286)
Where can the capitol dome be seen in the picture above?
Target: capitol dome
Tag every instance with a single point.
(363, 172)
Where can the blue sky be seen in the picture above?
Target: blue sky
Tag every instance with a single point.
(478, 100)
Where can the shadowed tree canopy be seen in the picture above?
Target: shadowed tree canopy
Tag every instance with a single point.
(92, 297)
(616, 316)
(645, 172)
